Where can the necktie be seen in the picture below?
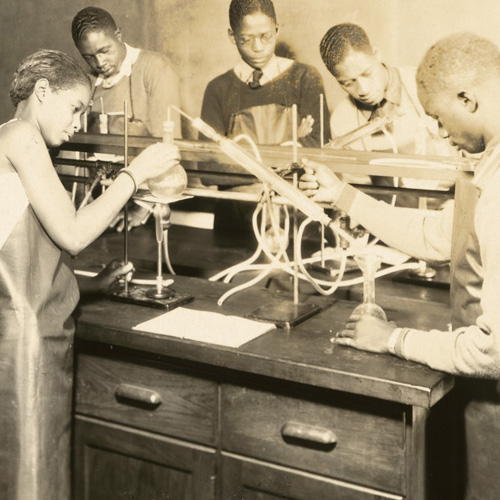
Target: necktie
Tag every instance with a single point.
(256, 76)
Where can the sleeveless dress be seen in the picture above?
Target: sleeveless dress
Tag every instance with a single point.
(38, 292)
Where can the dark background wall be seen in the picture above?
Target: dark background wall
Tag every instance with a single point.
(193, 33)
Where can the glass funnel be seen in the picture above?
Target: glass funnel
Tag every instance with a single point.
(369, 264)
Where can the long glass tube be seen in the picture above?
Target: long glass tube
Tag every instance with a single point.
(265, 174)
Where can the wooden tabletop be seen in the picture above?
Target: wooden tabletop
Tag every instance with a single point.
(302, 354)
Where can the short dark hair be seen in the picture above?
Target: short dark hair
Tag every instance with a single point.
(241, 8)
(457, 60)
(59, 69)
(91, 19)
(339, 39)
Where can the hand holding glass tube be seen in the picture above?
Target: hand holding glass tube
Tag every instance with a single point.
(295, 196)
(319, 182)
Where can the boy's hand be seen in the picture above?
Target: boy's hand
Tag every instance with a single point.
(366, 333)
(305, 127)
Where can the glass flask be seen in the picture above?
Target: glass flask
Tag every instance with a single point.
(171, 184)
(369, 264)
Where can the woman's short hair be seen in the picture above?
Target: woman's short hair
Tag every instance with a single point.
(59, 69)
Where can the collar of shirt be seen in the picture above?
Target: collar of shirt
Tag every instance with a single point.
(125, 69)
(274, 68)
(488, 164)
(394, 87)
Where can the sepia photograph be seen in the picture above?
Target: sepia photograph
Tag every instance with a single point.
(245, 250)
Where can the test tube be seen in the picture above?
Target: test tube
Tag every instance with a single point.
(103, 120)
(103, 124)
(168, 132)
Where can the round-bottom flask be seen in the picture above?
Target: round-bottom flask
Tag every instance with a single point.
(171, 184)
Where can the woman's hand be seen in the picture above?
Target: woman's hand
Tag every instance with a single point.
(366, 333)
(319, 182)
(154, 161)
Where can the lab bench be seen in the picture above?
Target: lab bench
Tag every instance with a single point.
(286, 415)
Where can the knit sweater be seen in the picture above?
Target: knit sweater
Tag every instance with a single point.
(300, 84)
(150, 89)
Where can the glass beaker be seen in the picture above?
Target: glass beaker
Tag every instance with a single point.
(369, 263)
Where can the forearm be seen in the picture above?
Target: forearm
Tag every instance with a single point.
(411, 231)
(93, 219)
(466, 351)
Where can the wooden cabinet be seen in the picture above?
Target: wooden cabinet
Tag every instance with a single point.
(143, 430)
(282, 417)
(151, 428)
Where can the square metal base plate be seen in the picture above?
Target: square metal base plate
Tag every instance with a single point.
(284, 314)
(139, 295)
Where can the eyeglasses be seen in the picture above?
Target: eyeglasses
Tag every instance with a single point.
(265, 38)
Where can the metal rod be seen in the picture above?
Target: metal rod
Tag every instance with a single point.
(125, 208)
(321, 121)
(294, 210)
(294, 133)
(295, 243)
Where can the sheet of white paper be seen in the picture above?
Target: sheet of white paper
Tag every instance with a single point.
(209, 327)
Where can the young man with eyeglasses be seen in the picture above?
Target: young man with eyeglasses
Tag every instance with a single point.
(256, 96)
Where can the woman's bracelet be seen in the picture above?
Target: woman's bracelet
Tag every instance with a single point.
(132, 176)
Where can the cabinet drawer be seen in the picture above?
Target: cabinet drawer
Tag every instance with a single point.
(332, 434)
(147, 396)
(249, 479)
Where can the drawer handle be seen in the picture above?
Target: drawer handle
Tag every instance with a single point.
(310, 433)
(138, 394)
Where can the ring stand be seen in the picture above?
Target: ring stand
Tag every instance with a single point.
(158, 296)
